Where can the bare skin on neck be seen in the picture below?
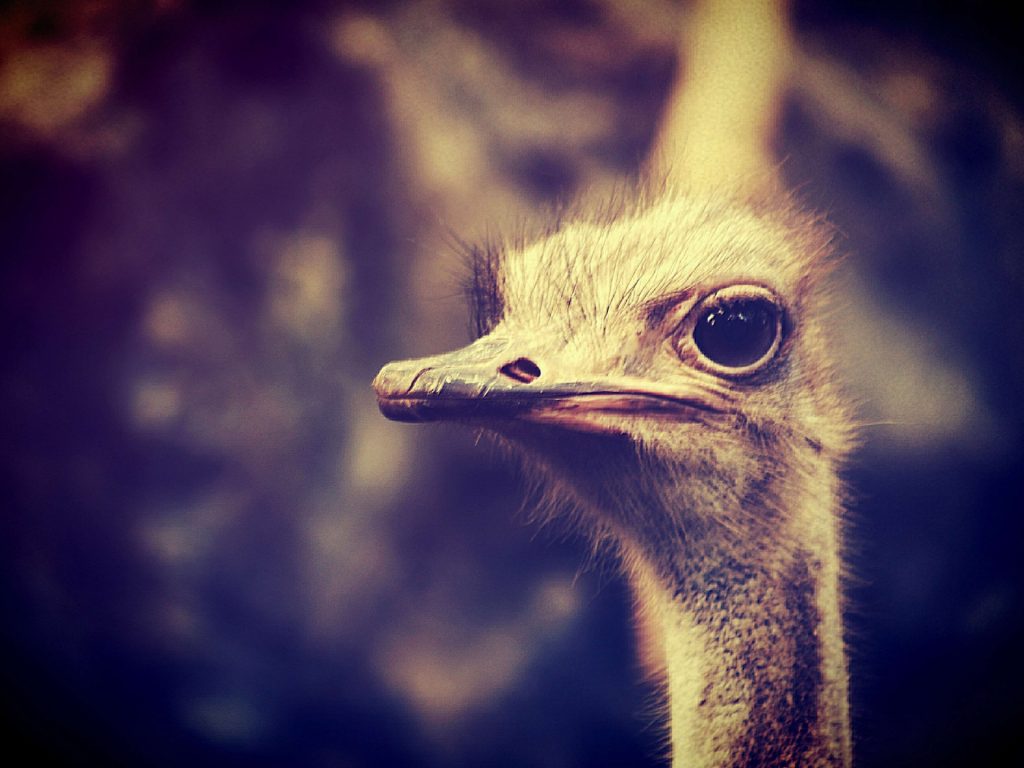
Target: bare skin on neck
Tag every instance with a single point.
(747, 644)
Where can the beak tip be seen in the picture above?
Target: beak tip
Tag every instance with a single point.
(390, 381)
(391, 385)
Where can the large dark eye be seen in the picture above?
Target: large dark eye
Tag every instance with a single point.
(738, 331)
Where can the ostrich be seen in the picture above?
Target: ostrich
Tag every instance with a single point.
(664, 369)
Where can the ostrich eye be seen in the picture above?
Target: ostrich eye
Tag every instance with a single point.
(739, 331)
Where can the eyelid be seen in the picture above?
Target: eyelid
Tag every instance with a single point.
(732, 291)
(683, 303)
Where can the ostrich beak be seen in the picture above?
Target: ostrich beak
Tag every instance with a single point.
(486, 382)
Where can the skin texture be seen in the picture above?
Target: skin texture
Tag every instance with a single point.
(716, 487)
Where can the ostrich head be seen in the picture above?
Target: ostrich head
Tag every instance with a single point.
(666, 372)
(667, 375)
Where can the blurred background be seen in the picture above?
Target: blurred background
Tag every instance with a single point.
(217, 220)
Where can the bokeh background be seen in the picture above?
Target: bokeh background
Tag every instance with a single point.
(217, 220)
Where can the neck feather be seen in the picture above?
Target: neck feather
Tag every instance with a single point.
(749, 637)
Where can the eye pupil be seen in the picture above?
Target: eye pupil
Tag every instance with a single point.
(738, 332)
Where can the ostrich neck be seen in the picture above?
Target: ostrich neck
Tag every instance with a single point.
(750, 640)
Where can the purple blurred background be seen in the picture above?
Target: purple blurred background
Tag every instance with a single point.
(218, 220)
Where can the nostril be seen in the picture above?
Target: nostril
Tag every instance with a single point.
(523, 369)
